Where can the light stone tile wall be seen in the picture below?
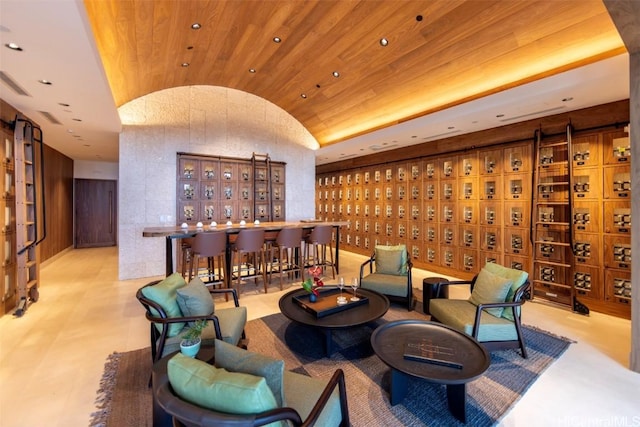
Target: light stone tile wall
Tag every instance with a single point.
(200, 120)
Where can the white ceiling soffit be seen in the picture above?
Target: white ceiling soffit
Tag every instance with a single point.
(599, 83)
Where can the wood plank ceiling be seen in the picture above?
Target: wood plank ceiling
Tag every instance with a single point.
(440, 53)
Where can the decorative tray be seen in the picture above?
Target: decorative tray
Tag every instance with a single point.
(327, 302)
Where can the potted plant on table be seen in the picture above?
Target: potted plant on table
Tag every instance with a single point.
(191, 340)
(314, 282)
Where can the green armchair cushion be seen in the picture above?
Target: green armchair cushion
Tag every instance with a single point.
(209, 387)
(232, 321)
(391, 259)
(386, 284)
(195, 299)
(164, 293)
(236, 359)
(518, 278)
(460, 315)
(302, 392)
(490, 288)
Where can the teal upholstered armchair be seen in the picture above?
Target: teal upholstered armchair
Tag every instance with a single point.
(171, 304)
(244, 389)
(389, 272)
(492, 313)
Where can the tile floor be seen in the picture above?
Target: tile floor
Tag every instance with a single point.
(52, 358)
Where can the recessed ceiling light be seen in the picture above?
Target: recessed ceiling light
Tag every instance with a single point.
(303, 95)
(384, 42)
(336, 74)
(196, 26)
(419, 18)
(567, 99)
(13, 46)
(252, 70)
(184, 64)
(277, 39)
(45, 82)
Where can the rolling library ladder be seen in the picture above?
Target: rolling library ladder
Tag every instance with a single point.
(29, 199)
(262, 200)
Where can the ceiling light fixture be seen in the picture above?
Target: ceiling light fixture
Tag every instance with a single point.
(384, 42)
(336, 74)
(419, 18)
(196, 26)
(45, 82)
(303, 95)
(277, 39)
(13, 46)
(252, 70)
(184, 64)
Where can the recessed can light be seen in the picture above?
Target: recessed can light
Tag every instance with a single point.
(184, 64)
(252, 70)
(13, 46)
(277, 39)
(384, 42)
(336, 74)
(45, 82)
(196, 26)
(303, 95)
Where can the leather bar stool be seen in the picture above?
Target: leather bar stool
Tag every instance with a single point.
(317, 242)
(213, 247)
(248, 256)
(289, 246)
(185, 248)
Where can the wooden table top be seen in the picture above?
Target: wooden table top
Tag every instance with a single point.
(176, 231)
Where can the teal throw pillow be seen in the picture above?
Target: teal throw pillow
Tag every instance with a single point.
(518, 278)
(195, 299)
(391, 259)
(490, 288)
(215, 388)
(236, 359)
(164, 293)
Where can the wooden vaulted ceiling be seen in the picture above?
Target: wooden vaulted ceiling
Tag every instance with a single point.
(458, 51)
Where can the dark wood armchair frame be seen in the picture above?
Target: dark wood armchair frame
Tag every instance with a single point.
(518, 301)
(186, 414)
(409, 298)
(158, 338)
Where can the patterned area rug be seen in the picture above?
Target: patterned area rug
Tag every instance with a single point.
(125, 400)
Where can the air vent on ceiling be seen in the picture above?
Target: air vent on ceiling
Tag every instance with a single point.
(440, 135)
(535, 113)
(13, 84)
(381, 147)
(50, 117)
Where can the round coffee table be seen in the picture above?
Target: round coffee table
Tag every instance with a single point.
(375, 308)
(434, 352)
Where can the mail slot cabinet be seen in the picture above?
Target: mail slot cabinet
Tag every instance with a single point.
(489, 256)
(431, 254)
(388, 175)
(587, 184)
(431, 190)
(277, 191)
(517, 186)
(188, 210)
(491, 213)
(415, 252)
(448, 212)
(246, 209)
(415, 170)
(390, 230)
(431, 233)
(587, 281)
(189, 169)
(246, 194)
(469, 236)
(468, 164)
(188, 190)
(469, 260)
(402, 173)
(366, 243)
(491, 187)
(388, 194)
(618, 285)
(516, 241)
(431, 171)
(431, 211)
(551, 214)
(401, 210)
(468, 188)
(414, 211)
(402, 230)
(401, 191)
(517, 262)
(449, 257)
(617, 252)
(209, 210)
(448, 234)
(448, 189)
(617, 217)
(551, 283)
(518, 158)
(209, 190)
(448, 167)
(229, 172)
(550, 246)
(554, 187)
(415, 232)
(491, 238)
(586, 151)
(617, 182)
(617, 147)
(517, 214)
(587, 249)
(491, 161)
(415, 191)
(587, 216)
(468, 212)
(552, 153)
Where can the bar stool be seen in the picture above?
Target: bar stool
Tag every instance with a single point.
(318, 241)
(289, 246)
(213, 247)
(249, 256)
(185, 247)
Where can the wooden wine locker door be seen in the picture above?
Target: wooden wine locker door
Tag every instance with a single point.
(96, 213)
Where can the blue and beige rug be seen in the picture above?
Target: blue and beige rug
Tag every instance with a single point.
(125, 399)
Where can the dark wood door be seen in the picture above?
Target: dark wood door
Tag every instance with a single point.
(96, 213)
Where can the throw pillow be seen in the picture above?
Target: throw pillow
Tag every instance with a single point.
(490, 288)
(164, 294)
(209, 387)
(391, 259)
(195, 299)
(236, 359)
(516, 276)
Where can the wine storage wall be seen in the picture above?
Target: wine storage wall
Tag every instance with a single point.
(456, 212)
(7, 223)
